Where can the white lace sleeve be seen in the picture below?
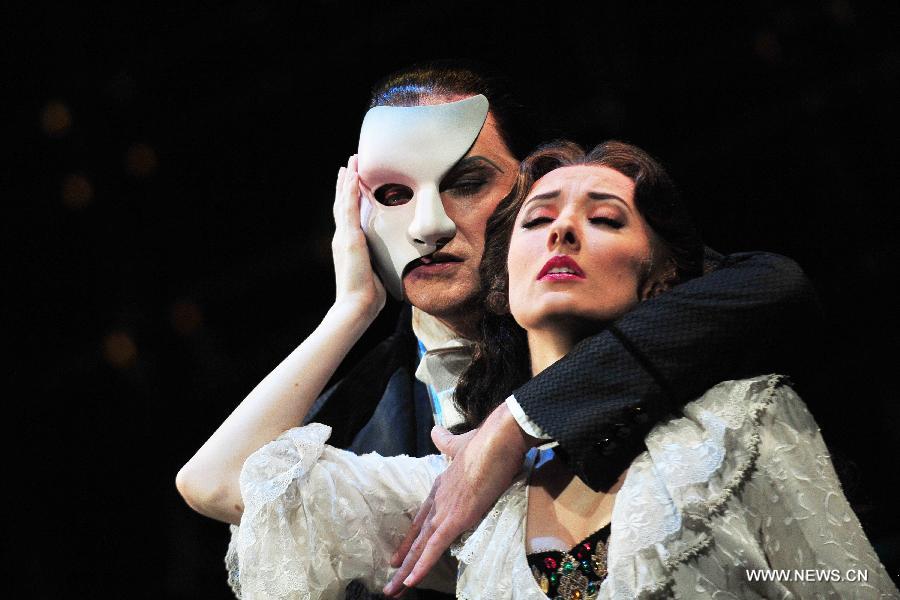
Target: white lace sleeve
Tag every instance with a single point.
(808, 523)
(316, 518)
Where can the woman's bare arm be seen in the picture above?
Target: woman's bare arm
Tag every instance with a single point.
(209, 480)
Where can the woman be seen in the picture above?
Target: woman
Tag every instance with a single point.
(741, 482)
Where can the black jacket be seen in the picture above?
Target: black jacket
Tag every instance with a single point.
(745, 317)
(379, 406)
(750, 315)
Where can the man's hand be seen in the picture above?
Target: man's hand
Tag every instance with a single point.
(485, 461)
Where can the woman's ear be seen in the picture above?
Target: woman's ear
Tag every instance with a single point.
(661, 281)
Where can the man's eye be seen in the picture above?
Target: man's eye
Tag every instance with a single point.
(393, 194)
(466, 187)
(535, 222)
(614, 223)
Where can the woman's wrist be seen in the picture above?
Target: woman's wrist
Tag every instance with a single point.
(351, 314)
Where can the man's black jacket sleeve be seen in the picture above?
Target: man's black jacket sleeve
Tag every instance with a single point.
(743, 318)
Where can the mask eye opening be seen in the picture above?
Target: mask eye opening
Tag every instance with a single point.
(393, 194)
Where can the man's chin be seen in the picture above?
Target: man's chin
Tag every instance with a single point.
(445, 299)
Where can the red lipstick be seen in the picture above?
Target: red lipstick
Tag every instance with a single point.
(561, 268)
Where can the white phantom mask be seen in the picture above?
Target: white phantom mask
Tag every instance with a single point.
(413, 147)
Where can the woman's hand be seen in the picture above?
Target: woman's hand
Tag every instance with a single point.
(358, 288)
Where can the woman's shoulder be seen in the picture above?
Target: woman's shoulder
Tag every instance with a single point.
(667, 509)
(716, 440)
(724, 414)
(735, 402)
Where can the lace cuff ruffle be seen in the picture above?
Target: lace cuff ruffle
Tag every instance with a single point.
(492, 563)
(316, 518)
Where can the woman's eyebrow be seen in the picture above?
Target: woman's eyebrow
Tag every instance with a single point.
(604, 196)
(545, 196)
(591, 195)
(608, 196)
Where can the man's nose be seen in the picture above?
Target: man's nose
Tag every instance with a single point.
(431, 227)
(564, 233)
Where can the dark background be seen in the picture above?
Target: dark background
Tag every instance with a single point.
(170, 174)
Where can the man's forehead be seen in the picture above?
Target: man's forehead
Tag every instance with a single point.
(424, 140)
(488, 140)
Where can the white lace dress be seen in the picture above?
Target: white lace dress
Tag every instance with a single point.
(740, 485)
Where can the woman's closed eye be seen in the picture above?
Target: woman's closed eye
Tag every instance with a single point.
(607, 221)
(602, 221)
(536, 221)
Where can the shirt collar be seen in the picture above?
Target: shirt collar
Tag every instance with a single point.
(446, 356)
(434, 334)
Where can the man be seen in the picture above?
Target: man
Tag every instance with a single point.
(598, 402)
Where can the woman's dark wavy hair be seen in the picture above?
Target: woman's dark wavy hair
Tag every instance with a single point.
(501, 360)
(451, 78)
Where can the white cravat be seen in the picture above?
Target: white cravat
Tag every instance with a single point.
(447, 354)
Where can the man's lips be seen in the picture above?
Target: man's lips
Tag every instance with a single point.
(433, 262)
(561, 268)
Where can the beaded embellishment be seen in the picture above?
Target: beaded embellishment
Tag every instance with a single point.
(573, 575)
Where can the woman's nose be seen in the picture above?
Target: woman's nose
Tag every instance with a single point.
(563, 233)
(430, 228)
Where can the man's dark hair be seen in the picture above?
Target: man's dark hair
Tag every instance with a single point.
(453, 79)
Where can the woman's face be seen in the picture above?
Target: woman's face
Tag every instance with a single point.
(579, 251)
(446, 282)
